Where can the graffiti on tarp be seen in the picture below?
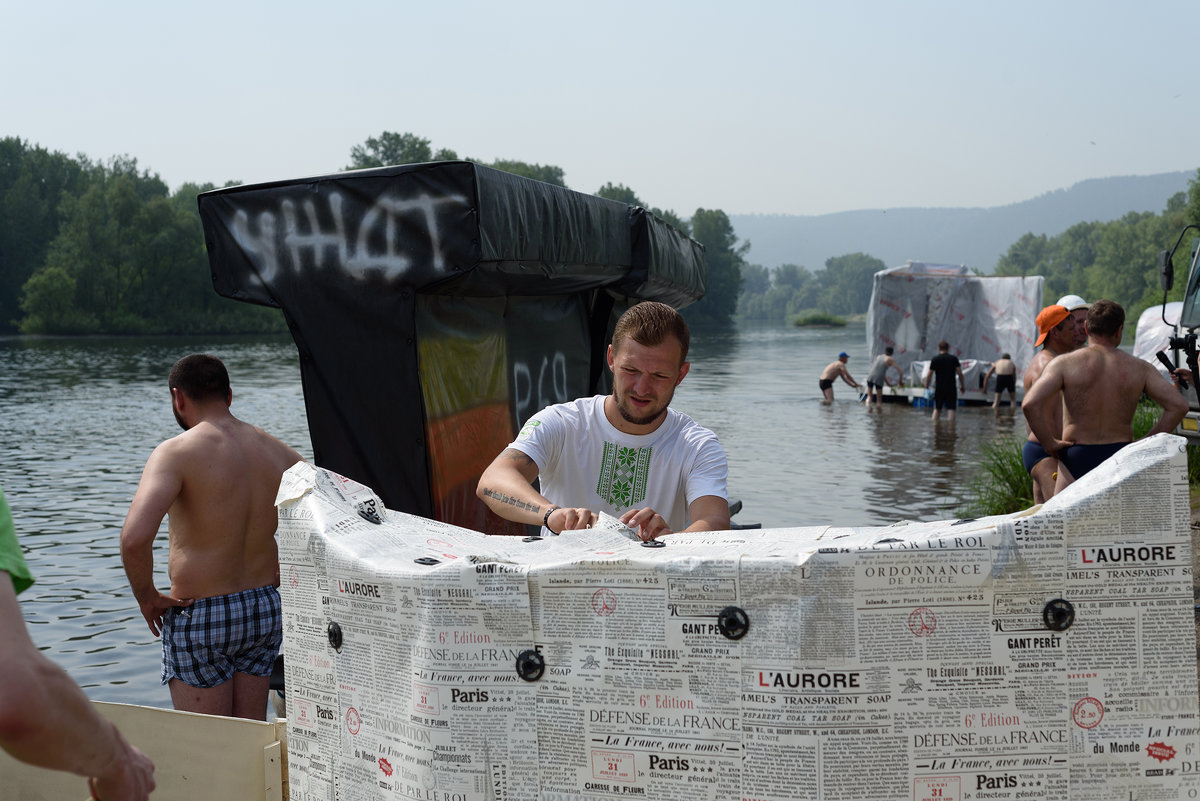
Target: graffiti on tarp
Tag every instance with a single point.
(376, 239)
(549, 387)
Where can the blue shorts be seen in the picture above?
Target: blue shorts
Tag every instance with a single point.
(206, 643)
(1032, 453)
(1083, 459)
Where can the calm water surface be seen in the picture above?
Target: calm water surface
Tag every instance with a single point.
(79, 417)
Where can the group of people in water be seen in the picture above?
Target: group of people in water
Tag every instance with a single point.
(1081, 390)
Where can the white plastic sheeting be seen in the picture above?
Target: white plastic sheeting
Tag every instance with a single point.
(916, 305)
(1153, 334)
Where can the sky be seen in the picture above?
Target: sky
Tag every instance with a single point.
(789, 107)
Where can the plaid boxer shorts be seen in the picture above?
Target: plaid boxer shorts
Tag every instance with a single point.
(206, 643)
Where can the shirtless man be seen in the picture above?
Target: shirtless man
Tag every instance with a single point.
(221, 624)
(1101, 386)
(832, 371)
(1078, 307)
(1056, 330)
(1006, 379)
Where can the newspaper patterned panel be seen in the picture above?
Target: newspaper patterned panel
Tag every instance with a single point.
(1048, 655)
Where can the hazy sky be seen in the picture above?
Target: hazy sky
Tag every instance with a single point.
(770, 107)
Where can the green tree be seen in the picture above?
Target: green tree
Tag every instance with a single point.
(33, 182)
(847, 282)
(392, 148)
(725, 257)
(620, 193)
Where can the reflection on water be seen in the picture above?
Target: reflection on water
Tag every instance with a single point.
(79, 417)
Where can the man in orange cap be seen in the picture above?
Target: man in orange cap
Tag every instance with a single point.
(1100, 387)
(1056, 331)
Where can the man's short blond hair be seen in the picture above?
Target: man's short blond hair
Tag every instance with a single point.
(649, 323)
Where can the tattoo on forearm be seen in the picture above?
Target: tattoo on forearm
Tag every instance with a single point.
(510, 500)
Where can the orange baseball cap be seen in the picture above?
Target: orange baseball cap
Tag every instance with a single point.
(1049, 318)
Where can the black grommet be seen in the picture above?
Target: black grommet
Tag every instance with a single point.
(427, 560)
(654, 544)
(335, 636)
(733, 622)
(368, 512)
(531, 539)
(1058, 615)
(530, 665)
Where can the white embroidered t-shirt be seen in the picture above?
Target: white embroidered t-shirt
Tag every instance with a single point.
(584, 460)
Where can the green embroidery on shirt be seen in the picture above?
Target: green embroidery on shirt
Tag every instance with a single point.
(624, 472)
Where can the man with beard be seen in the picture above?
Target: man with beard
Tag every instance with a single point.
(628, 453)
(221, 624)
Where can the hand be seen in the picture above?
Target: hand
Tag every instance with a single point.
(564, 519)
(1181, 374)
(1056, 447)
(156, 605)
(649, 523)
(130, 778)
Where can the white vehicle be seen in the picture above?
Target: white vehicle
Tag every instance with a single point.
(1182, 346)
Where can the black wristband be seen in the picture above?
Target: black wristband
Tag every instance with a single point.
(546, 519)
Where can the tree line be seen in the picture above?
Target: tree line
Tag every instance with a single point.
(89, 247)
(1117, 260)
(106, 248)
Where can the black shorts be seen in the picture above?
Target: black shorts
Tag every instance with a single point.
(945, 397)
(1006, 383)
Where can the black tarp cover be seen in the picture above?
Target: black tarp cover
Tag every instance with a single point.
(437, 306)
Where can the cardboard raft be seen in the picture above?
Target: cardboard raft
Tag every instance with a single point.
(1047, 654)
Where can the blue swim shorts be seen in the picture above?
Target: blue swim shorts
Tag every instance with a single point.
(1032, 453)
(1083, 459)
(206, 643)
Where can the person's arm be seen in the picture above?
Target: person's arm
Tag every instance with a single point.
(506, 487)
(846, 377)
(987, 377)
(708, 513)
(1038, 408)
(1163, 393)
(962, 382)
(46, 720)
(160, 485)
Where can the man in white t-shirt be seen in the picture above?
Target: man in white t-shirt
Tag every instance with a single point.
(628, 453)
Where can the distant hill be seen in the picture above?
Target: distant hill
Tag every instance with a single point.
(976, 237)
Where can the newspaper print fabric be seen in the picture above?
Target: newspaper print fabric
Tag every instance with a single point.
(1044, 655)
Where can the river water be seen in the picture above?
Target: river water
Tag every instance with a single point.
(78, 417)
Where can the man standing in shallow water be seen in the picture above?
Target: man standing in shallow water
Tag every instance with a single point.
(221, 625)
(831, 372)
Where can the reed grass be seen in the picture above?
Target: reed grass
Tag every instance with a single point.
(1001, 486)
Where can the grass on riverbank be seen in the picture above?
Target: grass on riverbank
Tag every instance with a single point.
(1002, 486)
(820, 318)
